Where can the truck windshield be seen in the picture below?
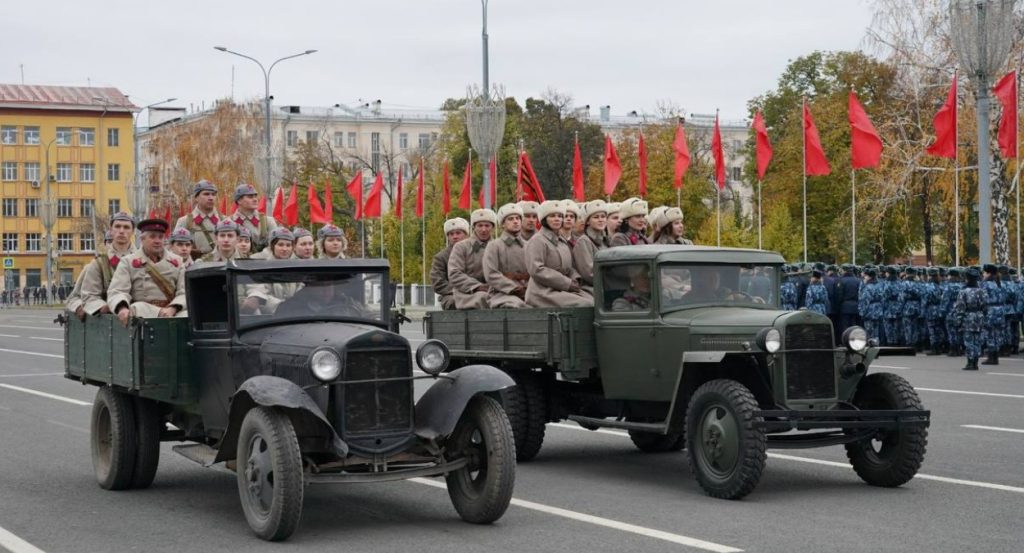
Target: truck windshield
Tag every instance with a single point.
(266, 296)
(691, 284)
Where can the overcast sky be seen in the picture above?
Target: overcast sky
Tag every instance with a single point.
(415, 53)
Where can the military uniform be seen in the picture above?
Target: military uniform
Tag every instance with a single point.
(816, 298)
(90, 291)
(260, 225)
(626, 235)
(632, 301)
(549, 263)
(504, 267)
(995, 320)
(146, 286)
(932, 300)
(950, 291)
(847, 299)
(439, 278)
(870, 306)
(910, 297)
(466, 274)
(892, 320)
(970, 313)
(787, 292)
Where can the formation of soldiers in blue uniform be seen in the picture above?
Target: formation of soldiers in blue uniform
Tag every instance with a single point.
(957, 311)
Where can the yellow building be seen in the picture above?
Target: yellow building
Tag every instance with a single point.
(73, 145)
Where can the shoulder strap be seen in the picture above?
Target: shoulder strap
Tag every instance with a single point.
(161, 282)
(106, 272)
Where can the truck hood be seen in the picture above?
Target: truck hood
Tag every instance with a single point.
(702, 319)
(300, 339)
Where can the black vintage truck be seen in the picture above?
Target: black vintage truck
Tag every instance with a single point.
(313, 386)
(687, 347)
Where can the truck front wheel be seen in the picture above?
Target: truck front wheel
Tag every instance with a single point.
(890, 458)
(726, 452)
(269, 470)
(482, 490)
(113, 439)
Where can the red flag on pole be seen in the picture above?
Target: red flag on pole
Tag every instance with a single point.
(316, 209)
(262, 207)
(224, 204)
(814, 155)
(1006, 92)
(612, 166)
(467, 185)
(642, 154)
(398, 197)
(355, 189)
(577, 174)
(419, 192)
(279, 205)
(865, 144)
(291, 207)
(763, 145)
(529, 184)
(945, 127)
(328, 202)
(372, 207)
(719, 155)
(170, 221)
(681, 153)
(446, 185)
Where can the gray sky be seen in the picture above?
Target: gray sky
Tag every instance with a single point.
(631, 55)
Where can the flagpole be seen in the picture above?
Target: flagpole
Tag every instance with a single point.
(1016, 177)
(760, 246)
(853, 212)
(956, 181)
(362, 239)
(803, 137)
(718, 213)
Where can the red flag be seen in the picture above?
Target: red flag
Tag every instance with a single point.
(719, 155)
(328, 202)
(530, 185)
(642, 153)
(446, 185)
(865, 145)
(492, 168)
(398, 197)
(316, 209)
(371, 208)
(814, 155)
(763, 145)
(224, 204)
(183, 209)
(1006, 91)
(278, 205)
(577, 174)
(355, 189)
(945, 127)
(682, 155)
(291, 207)
(170, 222)
(467, 184)
(612, 166)
(419, 192)
(262, 207)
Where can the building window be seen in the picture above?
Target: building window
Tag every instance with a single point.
(63, 136)
(65, 242)
(86, 137)
(31, 207)
(10, 242)
(64, 207)
(33, 241)
(10, 170)
(113, 171)
(403, 141)
(339, 139)
(113, 137)
(424, 140)
(10, 207)
(9, 135)
(86, 242)
(87, 207)
(312, 137)
(63, 172)
(32, 171)
(375, 151)
(114, 206)
(33, 278)
(87, 172)
(737, 173)
(293, 138)
(31, 135)
(351, 140)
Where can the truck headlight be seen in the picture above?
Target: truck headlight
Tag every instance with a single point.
(769, 339)
(432, 357)
(856, 339)
(325, 364)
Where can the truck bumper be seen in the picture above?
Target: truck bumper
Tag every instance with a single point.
(835, 427)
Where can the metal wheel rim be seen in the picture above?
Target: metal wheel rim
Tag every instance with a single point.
(104, 437)
(259, 476)
(718, 442)
(474, 474)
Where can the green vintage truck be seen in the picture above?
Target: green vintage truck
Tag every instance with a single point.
(687, 347)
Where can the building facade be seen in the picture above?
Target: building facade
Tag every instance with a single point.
(67, 152)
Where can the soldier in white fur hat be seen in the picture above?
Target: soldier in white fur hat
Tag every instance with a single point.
(530, 223)
(668, 227)
(455, 230)
(466, 264)
(505, 261)
(594, 239)
(633, 228)
(553, 280)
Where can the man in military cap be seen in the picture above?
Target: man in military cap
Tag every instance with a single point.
(244, 245)
(466, 267)
(950, 290)
(932, 302)
(787, 290)
(892, 320)
(89, 296)
(846, 297)
(247, 215)
(149, 282)
(870, 299)
(530, 223)
(456, 230)
(504, 262)
(181, 245)
(202, 221)
(995, 320)
(1011, 339)
(970, 313)
(226, 239)
(910, 297)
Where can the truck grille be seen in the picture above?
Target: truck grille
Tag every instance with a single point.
(375, 407)
(810, 374)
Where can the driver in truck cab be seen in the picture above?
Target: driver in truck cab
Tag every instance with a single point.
(149, 282)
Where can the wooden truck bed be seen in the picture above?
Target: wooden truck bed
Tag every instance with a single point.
(561, 339)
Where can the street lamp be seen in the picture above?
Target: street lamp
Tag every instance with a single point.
(139, 199)
(266, 111)
(485, 117)
(48, 218)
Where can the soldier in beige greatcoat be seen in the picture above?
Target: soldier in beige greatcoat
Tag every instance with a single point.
(331, 242)
(530, 223)
(247, 215)
(466, 264)
(553, 281)
(89, 296)
(593, 240)
(668, 227)
(632, 230)
(181, 245)
(202, 221)
(149, 282)
(505, 261)
(456, 230)
(226, 238)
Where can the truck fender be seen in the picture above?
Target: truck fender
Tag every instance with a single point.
(442, 405)
(697, 367)
(273, 391)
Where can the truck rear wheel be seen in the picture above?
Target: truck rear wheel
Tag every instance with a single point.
(113, 439)
(890, 458)
(726, 452)
(527, 411)
(482, 490)
(147, 455)
(269, 471)
(649, 442)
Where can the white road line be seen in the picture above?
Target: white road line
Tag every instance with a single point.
(9, 336)
(46, 395)
(28, 374)
(55, 356)
(874, 366)
(44, 338)
(599, 430)
(54, 327)
(965, 392)
(14, 544)
(997, 428)
(608, 523)
(1006, 374)
(972, 483)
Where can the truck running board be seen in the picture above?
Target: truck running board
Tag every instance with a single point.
(199, 453)
(593, 424)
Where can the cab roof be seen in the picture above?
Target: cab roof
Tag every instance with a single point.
(688, 254)
(261, 265)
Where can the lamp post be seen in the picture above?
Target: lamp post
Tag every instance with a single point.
(485, 118)
(48, 218)
(266, 112)
(139, 198)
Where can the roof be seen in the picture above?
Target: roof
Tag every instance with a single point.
(259, 265)
(64, 97)
(689, 254)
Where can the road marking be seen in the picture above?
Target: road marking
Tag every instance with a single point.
(54, 327)
(9, 336)
(14, 544)
(987, 394)
(27, 374)
(1006, 374)
(44, 338)
(599, 430)
(998, 428)
(874, 366)
(608, 523)
(55, 356)
(46, 395)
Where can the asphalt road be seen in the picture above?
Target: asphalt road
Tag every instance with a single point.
(586, 491)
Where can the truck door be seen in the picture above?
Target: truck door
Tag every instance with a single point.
(626, 324)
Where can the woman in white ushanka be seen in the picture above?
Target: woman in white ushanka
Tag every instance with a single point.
(633, 230)
(553, 280)
(593, 239)
(668, 227)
